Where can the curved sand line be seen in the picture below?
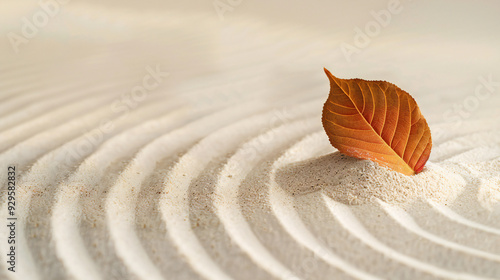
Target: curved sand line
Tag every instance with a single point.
(226, 194)
(450, 214)
(119, 213)
(349, 222)
(285, 212)
(175, 207)
(27, 112)
(406, 221)
(30, 127)
(69, 245)
(22, 212)
(31, 179)
(174, 202)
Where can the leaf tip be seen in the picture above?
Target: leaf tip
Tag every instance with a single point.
(331, 77)
(328, 73)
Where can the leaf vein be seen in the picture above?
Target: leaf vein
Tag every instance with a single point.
(350, 137)
(339, 114)
(397, 119)
(346, 126)
(374, 103)
(340, 105)
(409, 130)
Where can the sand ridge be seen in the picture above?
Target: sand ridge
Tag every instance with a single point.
(223, 171)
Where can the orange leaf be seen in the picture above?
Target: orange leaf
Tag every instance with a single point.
(376, 120)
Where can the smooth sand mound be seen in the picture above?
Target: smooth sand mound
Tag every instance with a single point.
(352, 181)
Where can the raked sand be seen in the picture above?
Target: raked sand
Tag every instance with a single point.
(220, 169)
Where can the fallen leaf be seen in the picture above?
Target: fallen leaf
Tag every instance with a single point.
(378, 121)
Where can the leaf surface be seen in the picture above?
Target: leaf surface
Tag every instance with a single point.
(376, 120)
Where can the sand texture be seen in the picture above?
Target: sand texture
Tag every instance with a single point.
(171, 144)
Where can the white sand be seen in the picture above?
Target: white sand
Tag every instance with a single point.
(223, 171)
(353, 181)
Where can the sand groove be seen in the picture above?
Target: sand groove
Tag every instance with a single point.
(222, 170)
